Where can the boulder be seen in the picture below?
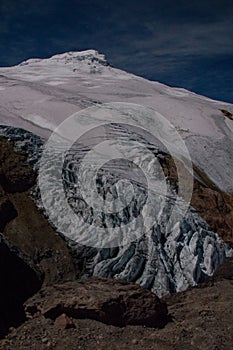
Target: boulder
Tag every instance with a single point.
(63, 322)
(107, 300)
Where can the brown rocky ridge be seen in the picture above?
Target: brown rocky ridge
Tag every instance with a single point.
(212, 204)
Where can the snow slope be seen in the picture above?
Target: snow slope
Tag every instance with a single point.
(39, 94)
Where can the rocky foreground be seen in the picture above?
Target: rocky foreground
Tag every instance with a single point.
(200, 318)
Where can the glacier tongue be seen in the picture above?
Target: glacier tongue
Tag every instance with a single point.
(160, 259)
(164, 258)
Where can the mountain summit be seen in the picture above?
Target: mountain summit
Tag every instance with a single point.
(89, 57)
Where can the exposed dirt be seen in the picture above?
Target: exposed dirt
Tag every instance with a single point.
(213, 205)
(216, 208)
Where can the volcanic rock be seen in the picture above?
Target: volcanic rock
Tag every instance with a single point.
(109, 301)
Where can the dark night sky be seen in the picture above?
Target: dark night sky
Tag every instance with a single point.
(172, 41)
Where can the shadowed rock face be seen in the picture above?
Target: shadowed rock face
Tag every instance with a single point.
(7, 212)
(20, 220)
(36, 243)
(20, 279)
(109, 301)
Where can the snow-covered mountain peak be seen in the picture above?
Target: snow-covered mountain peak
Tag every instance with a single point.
(88, 57)
(39, 94)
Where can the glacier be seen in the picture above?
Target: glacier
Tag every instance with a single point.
(158, 259)
(39, 94)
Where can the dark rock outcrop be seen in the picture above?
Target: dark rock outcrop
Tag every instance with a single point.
(20, 220)
(20, 279)
(15, 174)
(212, 204)
(227, 114)
(109, 301)
(7, 212)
